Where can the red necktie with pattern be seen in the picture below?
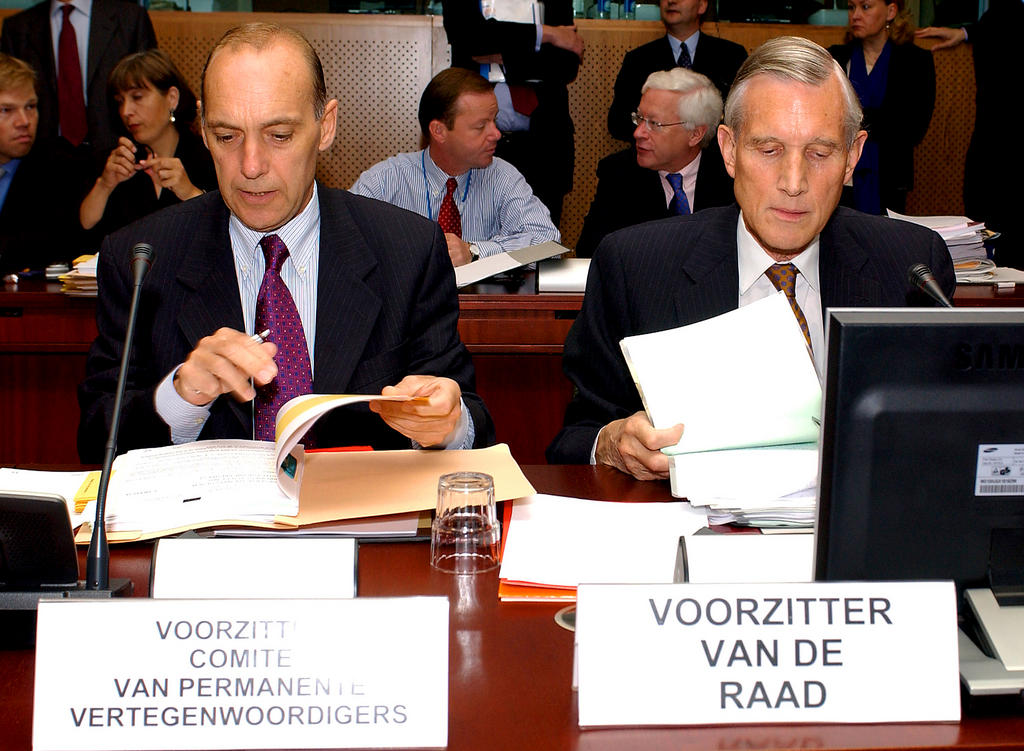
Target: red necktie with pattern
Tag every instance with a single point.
(275, 310)
(70, 98)
(448, 217)
(783, 276)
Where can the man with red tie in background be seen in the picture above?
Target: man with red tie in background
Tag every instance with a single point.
(73, 45)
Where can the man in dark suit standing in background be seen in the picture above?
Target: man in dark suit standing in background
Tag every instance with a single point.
(683, 46)
(791, 139)
(358, 295)
(38, 212)
(101, 32)
(532, 63)
(675, 168)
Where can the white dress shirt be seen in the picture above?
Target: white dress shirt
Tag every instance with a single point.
(754, 285)
(80, 18)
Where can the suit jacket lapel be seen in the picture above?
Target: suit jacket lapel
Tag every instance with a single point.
(841, 266)
(346, 307)
(212, 300)
(713, 271)
(101, 31)
(668, 60)
(42, 40)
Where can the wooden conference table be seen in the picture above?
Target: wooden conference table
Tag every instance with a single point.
(510, 669)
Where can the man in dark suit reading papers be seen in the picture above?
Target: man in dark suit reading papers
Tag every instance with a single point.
(359, 296)
(790, 141)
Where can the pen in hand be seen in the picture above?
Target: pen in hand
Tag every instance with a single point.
(260, 337)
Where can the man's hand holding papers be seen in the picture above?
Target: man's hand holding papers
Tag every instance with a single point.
(633, 445)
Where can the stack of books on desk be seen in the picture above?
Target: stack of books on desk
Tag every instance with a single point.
(81, 280)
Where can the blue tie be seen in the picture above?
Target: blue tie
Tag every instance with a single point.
(678, 205)
(684, 60)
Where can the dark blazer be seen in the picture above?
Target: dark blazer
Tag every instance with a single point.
(116, 28)
(629, 194)
(136, 198)
(716, 58)
(546, 153)
(387, 307)
(39, 218)
(902, 120)
(679, 271)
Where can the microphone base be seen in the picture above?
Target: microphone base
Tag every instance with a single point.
(18, 608)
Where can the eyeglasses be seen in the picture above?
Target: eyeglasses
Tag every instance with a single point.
(653, 126)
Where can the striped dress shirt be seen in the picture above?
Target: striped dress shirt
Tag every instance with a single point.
(499, 210)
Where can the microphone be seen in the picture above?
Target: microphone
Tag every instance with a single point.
(97, 564)
(922, 277)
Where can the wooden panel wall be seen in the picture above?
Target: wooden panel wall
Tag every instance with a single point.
(377, 66)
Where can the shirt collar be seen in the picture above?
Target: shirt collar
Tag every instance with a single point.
(301, 234)
(437, 177)
(753, 261)
(688, 171)
(10, 167)
(85, 6)
(690, 42)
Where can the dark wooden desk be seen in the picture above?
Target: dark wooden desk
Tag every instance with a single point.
(510, 666)
(514, 335)
(515, 338)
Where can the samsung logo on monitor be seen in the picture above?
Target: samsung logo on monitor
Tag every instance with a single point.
(968, 356)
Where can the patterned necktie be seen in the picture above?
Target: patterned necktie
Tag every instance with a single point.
(275, 310)
(448, 217)
(70, 98)
(684, 60)
(783, 276)
(678, 205)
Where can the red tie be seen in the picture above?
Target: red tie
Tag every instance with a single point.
(448, 217)
(70, 99)
(783, 276)
(275, 310)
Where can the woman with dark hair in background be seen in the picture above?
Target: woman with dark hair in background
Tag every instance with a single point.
(895, 82)
(163, 161)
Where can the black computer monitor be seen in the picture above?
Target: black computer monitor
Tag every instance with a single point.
(918, 476)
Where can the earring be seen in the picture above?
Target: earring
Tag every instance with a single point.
(172, 116)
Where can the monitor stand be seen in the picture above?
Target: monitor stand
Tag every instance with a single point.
(1000, 629)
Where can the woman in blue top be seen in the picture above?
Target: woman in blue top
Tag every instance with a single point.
(895, 82)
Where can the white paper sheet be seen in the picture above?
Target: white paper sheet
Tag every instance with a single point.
(555, 540)
(744, 378)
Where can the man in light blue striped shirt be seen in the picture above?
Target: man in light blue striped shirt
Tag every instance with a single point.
(497, 208)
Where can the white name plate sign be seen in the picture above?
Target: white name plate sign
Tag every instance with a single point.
(704, 654)
(189, 674)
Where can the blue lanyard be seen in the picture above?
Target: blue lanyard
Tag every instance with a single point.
(426, 187)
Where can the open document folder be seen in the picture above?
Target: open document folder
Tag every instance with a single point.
(160, 491)
(744, 378)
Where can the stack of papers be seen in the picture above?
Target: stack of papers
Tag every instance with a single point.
(81, 280)
(710, 377)
(759, 487)
(553, 543)
(965, 240)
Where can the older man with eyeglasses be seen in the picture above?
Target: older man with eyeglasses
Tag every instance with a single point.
(675, 166)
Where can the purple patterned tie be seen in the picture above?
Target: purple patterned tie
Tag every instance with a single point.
(275, 310)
